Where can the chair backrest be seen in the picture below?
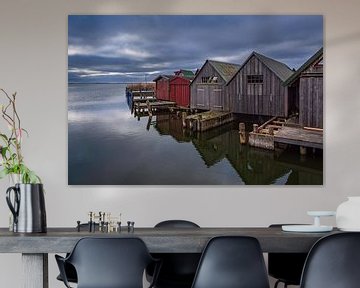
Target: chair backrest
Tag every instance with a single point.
(286, 266)
(333, 262)
(110, 262)
(177, 268)
(232, 262)
(176, 224)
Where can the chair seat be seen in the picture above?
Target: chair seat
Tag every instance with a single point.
(108, 262)
(232, 261)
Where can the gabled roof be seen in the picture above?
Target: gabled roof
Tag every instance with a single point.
(225, 70)
(173, 78)
(303, 67)
(186, 73)
(163, 76)
(280, 69)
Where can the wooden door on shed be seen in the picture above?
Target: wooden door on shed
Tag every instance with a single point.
(202, 97)
(216, 100)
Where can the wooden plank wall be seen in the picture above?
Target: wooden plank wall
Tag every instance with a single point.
(266, 99)
(180, 91)
(311, 101)
(209, 96)
(162, 89)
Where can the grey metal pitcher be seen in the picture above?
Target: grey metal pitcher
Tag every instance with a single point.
(28, 208)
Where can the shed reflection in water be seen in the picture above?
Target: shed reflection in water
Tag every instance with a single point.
(253, 165)
(109, 146)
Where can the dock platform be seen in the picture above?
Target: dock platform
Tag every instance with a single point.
(300, 137)
(283, 131)
(207, 120)
(149, 107)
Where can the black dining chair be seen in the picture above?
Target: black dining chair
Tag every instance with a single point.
(70, 271)
(333, 262)
(286, 267)
(108, 263)
(178, 269)
(232, 262)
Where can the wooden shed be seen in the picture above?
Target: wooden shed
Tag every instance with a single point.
(180, 91)
(162, 87)
(257, 88)
(306, 87)
(208, 89)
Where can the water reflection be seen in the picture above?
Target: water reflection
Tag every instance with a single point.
(254, 166)
(109, 146)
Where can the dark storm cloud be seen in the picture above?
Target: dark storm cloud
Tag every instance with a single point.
(132, 48)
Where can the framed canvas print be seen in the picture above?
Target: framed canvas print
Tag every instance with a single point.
(195, 100)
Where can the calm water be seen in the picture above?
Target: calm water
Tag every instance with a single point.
(109, 146)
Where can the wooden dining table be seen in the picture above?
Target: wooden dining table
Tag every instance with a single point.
(35, 247)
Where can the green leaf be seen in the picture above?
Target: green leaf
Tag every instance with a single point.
(26, 132)
(4, 173)
(3, 151)
(4, 137)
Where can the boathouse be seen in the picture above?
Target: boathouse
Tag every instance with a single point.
(162, 87)
(208, 89)
(306, 87)
(179, 87)
(257, 87)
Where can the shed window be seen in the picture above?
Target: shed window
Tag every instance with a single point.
(254, 79)
(205, 79)
(209, 79)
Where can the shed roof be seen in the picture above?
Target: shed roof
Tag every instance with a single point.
(173, 78)
(305, 66)
(169, 77)
(226, 70)
(280, 69)
(186, 73)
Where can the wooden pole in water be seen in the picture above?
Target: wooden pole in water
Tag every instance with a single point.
(183, 118)
(149, 107)
(271, 130)
(242, 133)
(302, 150)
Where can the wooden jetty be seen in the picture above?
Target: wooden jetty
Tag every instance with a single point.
(279, 130)
(303, 137)
(151, 106)
(207, 120)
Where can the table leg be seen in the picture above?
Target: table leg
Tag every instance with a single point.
(35, 270)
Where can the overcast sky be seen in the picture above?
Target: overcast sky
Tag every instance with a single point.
(138, 48)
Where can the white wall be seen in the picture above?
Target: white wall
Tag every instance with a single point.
(33, 62)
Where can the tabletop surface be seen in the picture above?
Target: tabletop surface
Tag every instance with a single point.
(158, 240)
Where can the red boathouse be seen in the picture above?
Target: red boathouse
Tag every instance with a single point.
(175, 87)
(180, 91)
(162, 87)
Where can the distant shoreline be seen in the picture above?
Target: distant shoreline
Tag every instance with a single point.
(80, 83)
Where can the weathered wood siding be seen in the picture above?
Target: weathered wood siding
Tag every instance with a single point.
(180, 91)
(209, 96)
(268, 99)
(162, 89)
(311, 100)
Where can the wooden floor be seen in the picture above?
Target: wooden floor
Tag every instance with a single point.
(300, 137)
(156, 104)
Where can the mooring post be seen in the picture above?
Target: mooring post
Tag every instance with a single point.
(255, 128)
(183, 118)
(271, 130)
(242, 133)
(149, 107)
(302, 150)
